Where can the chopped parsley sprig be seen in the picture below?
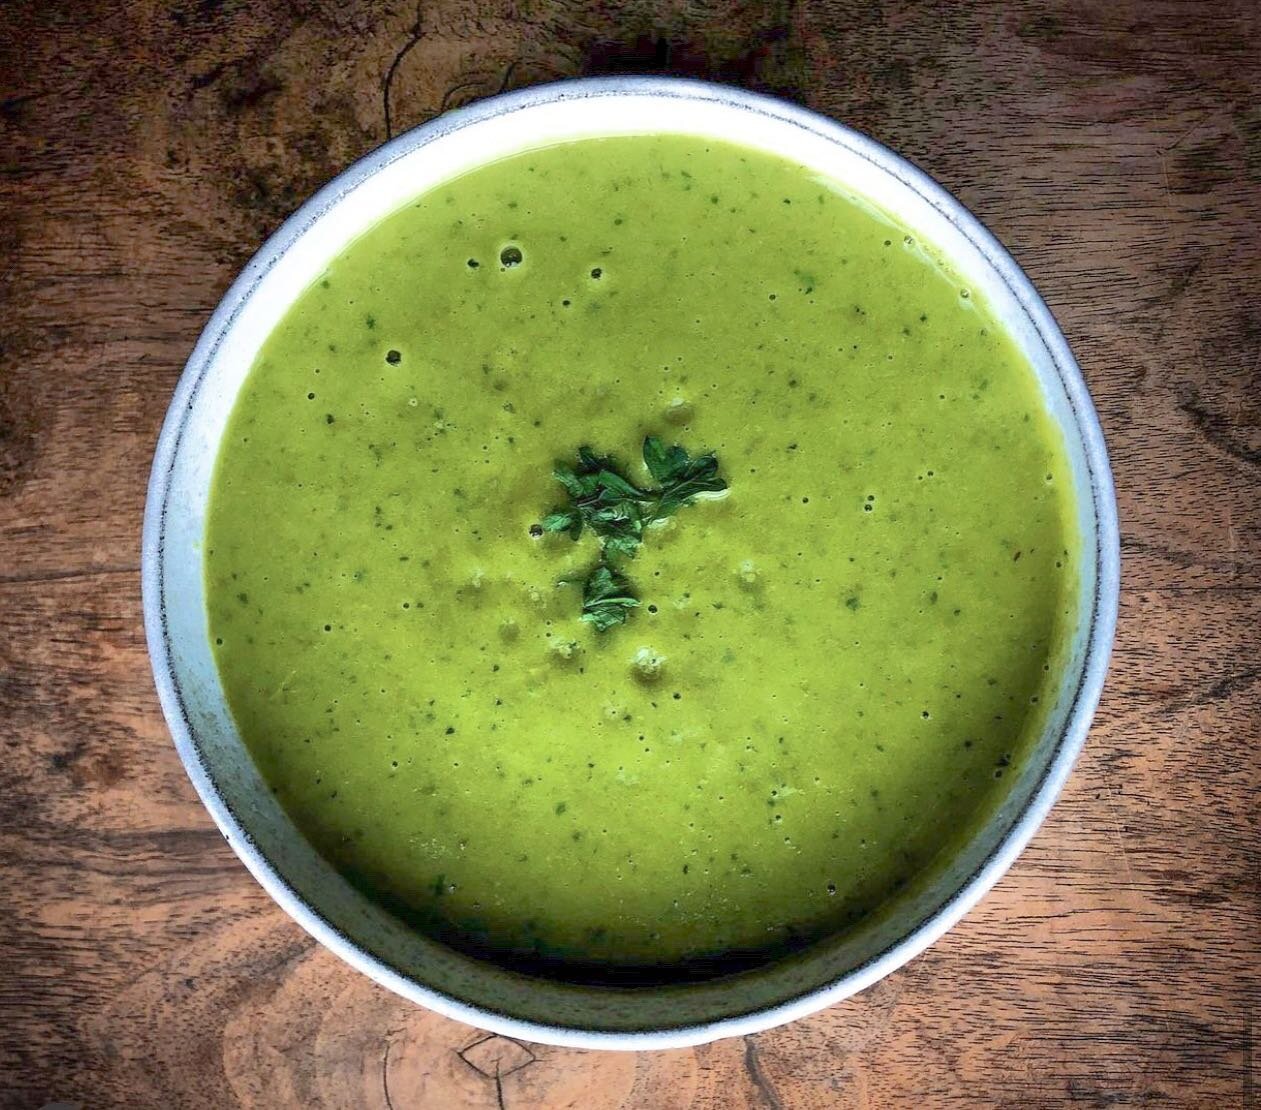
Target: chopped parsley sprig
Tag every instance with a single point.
(604, 500)
(606, 598)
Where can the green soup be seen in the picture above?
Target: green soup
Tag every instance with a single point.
(845, 652)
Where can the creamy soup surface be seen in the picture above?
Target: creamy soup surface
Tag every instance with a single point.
(834, 665)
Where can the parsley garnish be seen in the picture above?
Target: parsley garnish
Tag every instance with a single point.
(606, 598)
(681, 477)
(604, 500)
(600, 499)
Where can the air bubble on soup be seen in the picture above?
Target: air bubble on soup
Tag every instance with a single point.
(511, 256)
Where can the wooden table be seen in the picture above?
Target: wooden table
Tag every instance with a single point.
(147, 151)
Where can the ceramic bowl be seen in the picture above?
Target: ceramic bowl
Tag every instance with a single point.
(308, 888)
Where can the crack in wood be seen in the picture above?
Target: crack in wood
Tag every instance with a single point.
(385, 1074)
(496, 1048)
(415, 34)
(494, 1040)
(761, 1082)
(1217, 430)
(459, 87)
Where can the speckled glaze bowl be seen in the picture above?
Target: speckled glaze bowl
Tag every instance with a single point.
(175, 612)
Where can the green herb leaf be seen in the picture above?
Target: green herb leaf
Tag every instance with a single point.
(621, 545)
(681, 476)
(574, 485)
(563, 520)
(664, 465)
(603, 500)
(617, 487)
(655, 458)
(591, 463)
(606, 598)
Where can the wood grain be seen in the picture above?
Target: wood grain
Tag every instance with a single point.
(147, 150)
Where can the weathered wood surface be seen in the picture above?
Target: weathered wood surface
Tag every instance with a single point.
(147, 150)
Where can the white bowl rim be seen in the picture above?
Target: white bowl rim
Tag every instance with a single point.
(1099, 639)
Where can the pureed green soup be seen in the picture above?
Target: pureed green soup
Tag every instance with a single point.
(832, 665)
